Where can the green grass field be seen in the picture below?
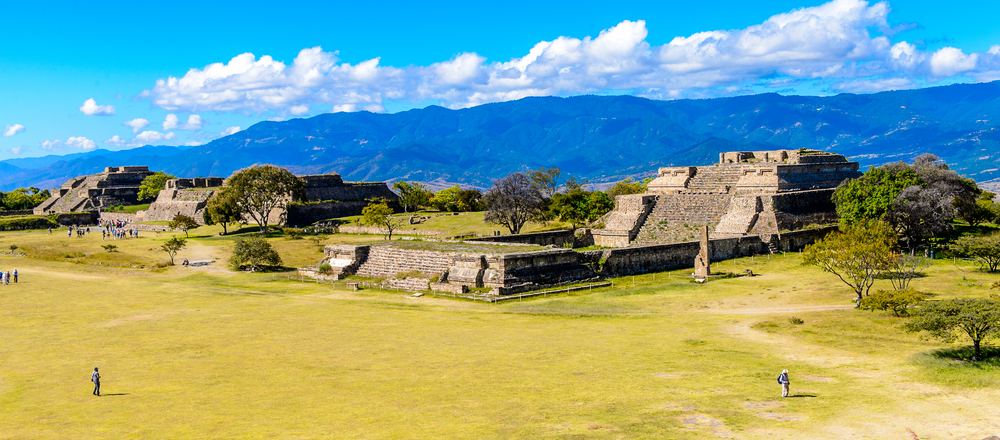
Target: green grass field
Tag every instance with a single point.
(207, 353)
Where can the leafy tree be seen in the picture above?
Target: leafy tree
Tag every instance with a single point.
(153, 184)
(512, 201)
(253, 252)
(578, 207)
(985, 248)
(857, 255)
(261, 189)
(898, 301)
(575, 184)
(446, 199)
(412, 195)
(979, 210)
(871, 195)
(222, 209)
(545, 180)
(23, 198)
(978, 319)
(628, 186)
(183, 223)
(172, 246)
(379, 214)
(469, 200)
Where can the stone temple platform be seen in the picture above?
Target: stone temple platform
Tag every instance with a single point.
(746, 193)
(114, 186)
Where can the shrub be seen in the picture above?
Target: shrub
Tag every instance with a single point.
(253, 253)
(110, 248)
(896, 300)
(793, 320)
(325, 268)
(293, 233)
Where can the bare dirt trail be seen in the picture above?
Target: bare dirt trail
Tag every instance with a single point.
(778, 310)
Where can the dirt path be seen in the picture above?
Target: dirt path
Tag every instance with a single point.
(774, 310)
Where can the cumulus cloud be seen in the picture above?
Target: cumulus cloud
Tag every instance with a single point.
(137, 124)
(81, 143)
(116, 141)
(150, 136)
(15, 150)
(11, 130)
(90, 107)
(841, 45)
(171, 123)
(230, 130)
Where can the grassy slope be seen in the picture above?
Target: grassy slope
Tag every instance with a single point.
(207, 353)
(463, 223)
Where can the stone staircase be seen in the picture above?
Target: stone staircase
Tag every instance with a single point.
(678, 217)
(718, 179)
(387, 261)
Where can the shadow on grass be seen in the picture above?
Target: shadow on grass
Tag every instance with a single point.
(803, 395)
(115, 394)
(990, 356)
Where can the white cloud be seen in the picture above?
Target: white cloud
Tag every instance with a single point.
(11, 130)
(950, 61)
(15, 150)
(150, 136)
(194, 122)
(230, 130)
(137, 124)
(90, 107)
(81, 143)
(116, 141)
(54, 145)
(192, 144)
(839, 45)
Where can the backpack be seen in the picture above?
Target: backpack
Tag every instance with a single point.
(779, 379)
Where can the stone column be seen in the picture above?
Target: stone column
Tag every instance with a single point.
(703, 262)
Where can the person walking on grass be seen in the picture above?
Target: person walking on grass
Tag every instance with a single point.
(783, 380)
(96, 379)
(15, 276)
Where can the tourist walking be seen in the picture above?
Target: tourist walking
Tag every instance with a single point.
(96, 379)
(7, 278)
(15, 276)
(783, 380)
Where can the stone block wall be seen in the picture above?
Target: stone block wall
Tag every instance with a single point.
(13, 213)
(678, 217)
(171, 202)
(554, 238)
(303, 214)
(387, 261)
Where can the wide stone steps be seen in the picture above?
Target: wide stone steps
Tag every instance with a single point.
(678, 217)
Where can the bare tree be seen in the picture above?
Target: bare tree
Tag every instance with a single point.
(513, 201)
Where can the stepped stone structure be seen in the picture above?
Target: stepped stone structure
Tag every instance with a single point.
(327, 195)
(746, 193)
(114, 186)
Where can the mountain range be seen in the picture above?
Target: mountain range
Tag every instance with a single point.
(601, 138)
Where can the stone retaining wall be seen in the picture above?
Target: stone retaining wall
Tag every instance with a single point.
(13, 213)
(387, 261)
(554, 238)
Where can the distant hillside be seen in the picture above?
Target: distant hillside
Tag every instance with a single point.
(603, 138)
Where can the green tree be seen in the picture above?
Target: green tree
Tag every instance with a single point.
(870, 196)
(513, 201)
(628, 186)
(446, 199)
(153, 184)
(469, 200)
(976, 211)
(379, 214)
(172, 246)
(985, 248)
(598, 205)
(183, 223)
(260, 190)
(23, 198)
(254, 253)
(571, 207)
(545, 180)
(978, 319)
(222, 209)
(412, 195)
(857, 255)
(898, 301)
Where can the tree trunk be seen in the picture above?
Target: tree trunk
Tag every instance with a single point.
(975, 350)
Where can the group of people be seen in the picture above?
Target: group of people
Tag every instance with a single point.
(115, 230)
(7, 277)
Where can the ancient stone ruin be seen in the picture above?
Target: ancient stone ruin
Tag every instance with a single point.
(327, 196)
(114, 186)
(746, 193)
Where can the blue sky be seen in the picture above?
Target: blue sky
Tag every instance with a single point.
(221, 67)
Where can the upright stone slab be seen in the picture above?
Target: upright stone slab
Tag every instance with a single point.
(703, 262)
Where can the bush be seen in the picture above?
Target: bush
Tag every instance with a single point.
(325, 268)
(253, 253)
(110, 248)
(795, 320)
(293, 233)
(896, 300)
(17, 223)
